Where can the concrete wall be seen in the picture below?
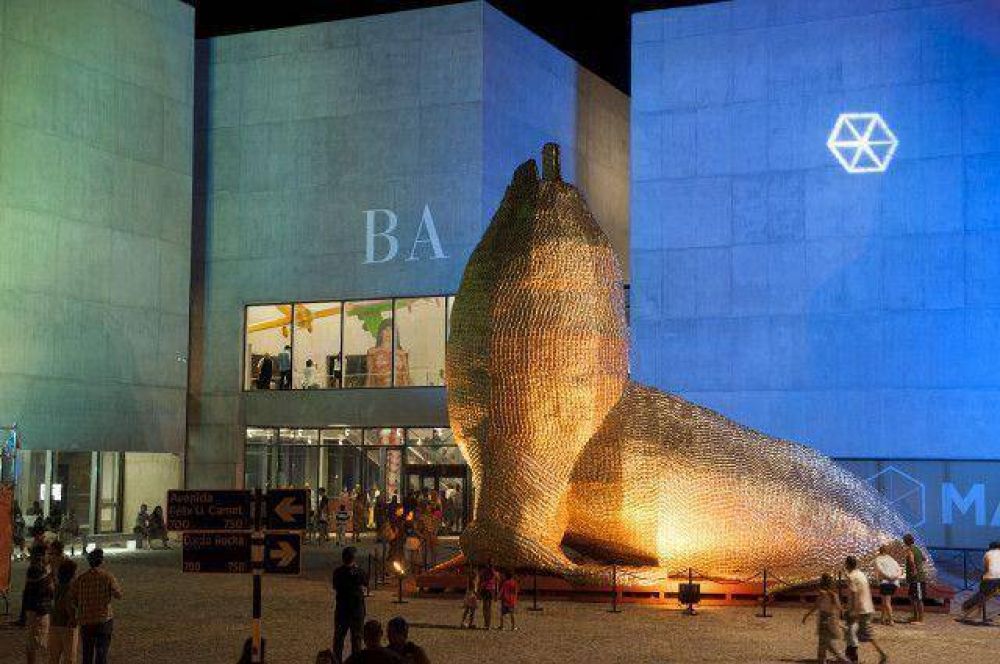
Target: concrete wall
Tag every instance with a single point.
(148, 477)
(854, 312)
(533, 93)
(303, 129)
(95, 211)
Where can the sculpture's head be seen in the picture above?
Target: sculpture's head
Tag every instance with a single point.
(538, 349)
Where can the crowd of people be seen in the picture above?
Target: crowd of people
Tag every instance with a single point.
(407, 531)
(62, 610)
(43, 529)
(851, 622)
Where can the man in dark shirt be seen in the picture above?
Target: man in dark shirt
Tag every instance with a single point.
(397, 631)
(374, 652)
(349, 584)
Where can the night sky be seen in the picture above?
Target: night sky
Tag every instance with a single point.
(594, 32)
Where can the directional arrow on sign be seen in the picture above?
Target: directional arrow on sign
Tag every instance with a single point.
(287, 509)
(284, 554)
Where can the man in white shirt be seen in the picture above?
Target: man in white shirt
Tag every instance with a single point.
(859, 612)
(888, 572)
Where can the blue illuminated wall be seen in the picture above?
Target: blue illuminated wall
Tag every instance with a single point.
(859, 313)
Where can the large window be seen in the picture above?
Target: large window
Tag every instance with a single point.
(396, 342)
(316, 346)
(377, 461)
(368, 344)
(268, 333)
(420, 338)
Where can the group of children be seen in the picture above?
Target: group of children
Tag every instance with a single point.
(488, 585)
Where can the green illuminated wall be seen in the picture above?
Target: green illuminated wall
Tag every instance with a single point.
(95, 221)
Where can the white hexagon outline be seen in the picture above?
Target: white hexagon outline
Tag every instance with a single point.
(920, 487)
(861, 143)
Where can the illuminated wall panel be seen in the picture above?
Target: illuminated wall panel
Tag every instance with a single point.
(95, 211)
(854, 311)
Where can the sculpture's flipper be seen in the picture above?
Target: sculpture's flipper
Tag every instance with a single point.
(670, 484)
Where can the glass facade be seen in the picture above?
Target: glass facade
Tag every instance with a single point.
(393, 342)
(88, 484)
(379, 461)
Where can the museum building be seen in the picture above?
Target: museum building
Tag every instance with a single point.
(333, 179)
(232, 260)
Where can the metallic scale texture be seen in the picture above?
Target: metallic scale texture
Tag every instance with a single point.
(537, 357)
(566, 451)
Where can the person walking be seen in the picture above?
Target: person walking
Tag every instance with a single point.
(36, 605)
(397, 632)
(349, 585)
(916, 578)
(69, 532)
(860, 609)
(887, 573)
(508, 599)
(92, 593)
(828, 631)
(488, 586)
(470, 603)
(62, 620)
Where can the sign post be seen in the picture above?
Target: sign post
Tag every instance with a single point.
(241, 532)
(258, 569)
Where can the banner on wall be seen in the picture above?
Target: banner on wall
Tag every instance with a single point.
(948, 503)
(6, 534)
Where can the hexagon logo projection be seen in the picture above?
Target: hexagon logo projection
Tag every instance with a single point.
(862, 142)
(904, 492)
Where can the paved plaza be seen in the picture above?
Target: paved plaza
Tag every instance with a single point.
(175, 617)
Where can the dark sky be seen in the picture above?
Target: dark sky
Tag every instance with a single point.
(594, 32)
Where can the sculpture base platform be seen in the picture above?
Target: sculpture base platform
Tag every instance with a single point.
(451, 584)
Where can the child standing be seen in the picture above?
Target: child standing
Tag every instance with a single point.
(508, 598)
(471, 602)
(828, 621)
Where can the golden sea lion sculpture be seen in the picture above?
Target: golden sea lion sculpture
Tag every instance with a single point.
(565, 450)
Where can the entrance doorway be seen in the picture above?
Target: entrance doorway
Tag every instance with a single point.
(451, 482)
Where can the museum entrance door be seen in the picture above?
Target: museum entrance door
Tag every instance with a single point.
(451, 481)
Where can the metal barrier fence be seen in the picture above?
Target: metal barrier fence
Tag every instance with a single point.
(959, 564)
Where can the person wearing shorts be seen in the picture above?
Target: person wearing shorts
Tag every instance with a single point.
(488, 585)
(860, 609)
(916, 578)
(989, 585)
(888, 573)
(508, 599)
